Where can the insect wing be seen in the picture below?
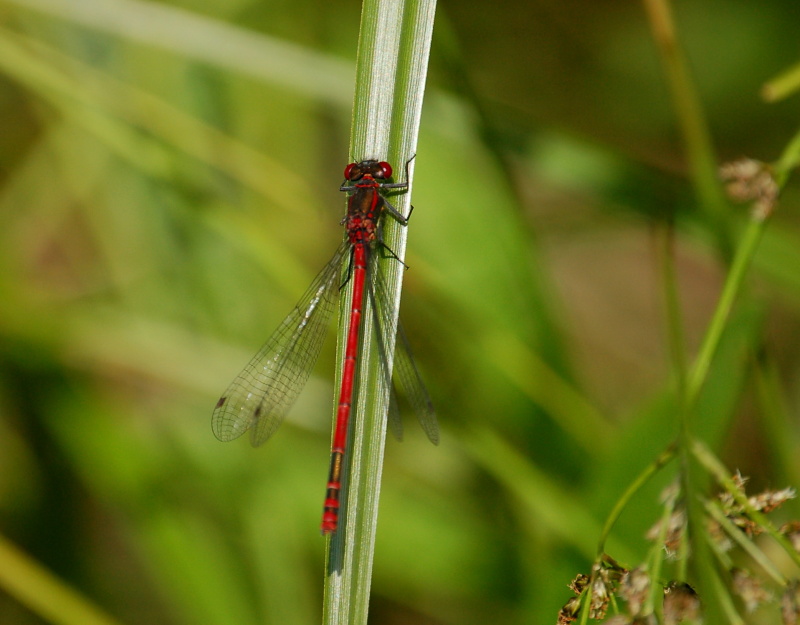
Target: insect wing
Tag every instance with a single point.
(381, 323)
(406, 374)
(412, 386)
(261, 395)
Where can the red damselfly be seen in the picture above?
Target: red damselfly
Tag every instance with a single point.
(261, 395)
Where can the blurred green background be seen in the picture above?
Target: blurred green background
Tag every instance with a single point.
(169, 179)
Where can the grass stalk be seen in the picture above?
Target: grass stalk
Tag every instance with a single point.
(391, 70)
(732, 288)
(43, 593)
(693, 126)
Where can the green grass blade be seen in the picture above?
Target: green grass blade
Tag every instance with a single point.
(188, 33)
(392, 65)
(45, 594)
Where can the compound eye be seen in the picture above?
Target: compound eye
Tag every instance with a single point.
(384, 170)
(348, 171)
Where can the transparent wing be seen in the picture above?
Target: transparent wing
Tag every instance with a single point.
(383, 329)
(406, 374)
(261, 395)
(412, 386)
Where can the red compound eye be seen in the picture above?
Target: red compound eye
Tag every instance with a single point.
(383, 170)
(348, 171)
